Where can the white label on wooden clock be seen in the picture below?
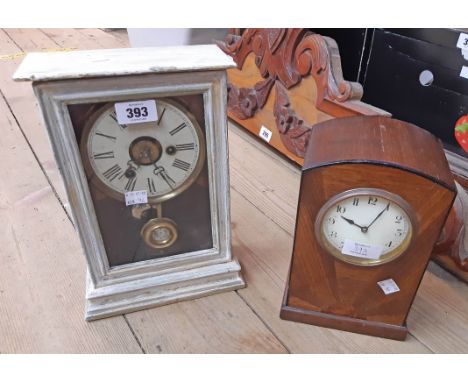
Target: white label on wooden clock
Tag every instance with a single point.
(462, 42)
(136, 112)
(367, 251)
(136, 197)
(265, 134)
(464, 72)
(388, 286)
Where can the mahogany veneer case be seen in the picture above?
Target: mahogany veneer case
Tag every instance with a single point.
(372, 152)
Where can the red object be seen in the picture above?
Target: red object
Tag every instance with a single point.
(461, 132)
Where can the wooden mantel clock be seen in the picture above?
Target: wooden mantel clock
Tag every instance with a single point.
(375, 193)
(140, 137)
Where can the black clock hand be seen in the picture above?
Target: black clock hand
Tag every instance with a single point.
(363, 229)
(379, 215)
(167, 178)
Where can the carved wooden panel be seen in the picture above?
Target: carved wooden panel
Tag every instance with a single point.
(287, 80)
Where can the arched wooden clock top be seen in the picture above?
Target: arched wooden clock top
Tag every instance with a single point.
(378, 140)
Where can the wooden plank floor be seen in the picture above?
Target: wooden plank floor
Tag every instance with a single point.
(42, 268)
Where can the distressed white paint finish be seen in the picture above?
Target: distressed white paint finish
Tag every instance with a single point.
(47, 66)
(130, 287)
(126, 297)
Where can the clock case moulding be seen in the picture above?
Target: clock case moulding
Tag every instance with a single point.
(377, 153)
(62, 79)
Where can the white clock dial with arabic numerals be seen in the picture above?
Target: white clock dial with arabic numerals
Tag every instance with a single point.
(163, 157)
(370, 221)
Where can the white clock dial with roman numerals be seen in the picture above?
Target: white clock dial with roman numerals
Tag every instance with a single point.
(162, 157)
(365, 226)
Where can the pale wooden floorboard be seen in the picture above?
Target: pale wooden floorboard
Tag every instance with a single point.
(29, 40)
(42, 272)
(221, 323)
(84, 38)
(21, 100)
(270, 184)
(264, 197)
(439, 316)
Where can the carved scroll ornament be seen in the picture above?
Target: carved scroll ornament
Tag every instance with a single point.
(284, 57)
(245, 102)
(294, 131)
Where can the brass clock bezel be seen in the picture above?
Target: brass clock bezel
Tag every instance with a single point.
(158, 223)
(103, 187)
(390, 256)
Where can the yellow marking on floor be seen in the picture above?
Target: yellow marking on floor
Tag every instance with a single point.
(13, 56)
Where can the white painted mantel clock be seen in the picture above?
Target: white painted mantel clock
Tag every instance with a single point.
(140, 138)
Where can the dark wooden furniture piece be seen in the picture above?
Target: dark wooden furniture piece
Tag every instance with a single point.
(371, 152)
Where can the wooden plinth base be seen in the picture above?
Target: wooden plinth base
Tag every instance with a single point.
(130, 296)
(349, 324)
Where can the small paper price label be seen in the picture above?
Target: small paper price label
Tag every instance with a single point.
(265, 134)
(464, 72)
(136, 197)
(136, 112)
(366, 251)
(388, 286)
(462, 42)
